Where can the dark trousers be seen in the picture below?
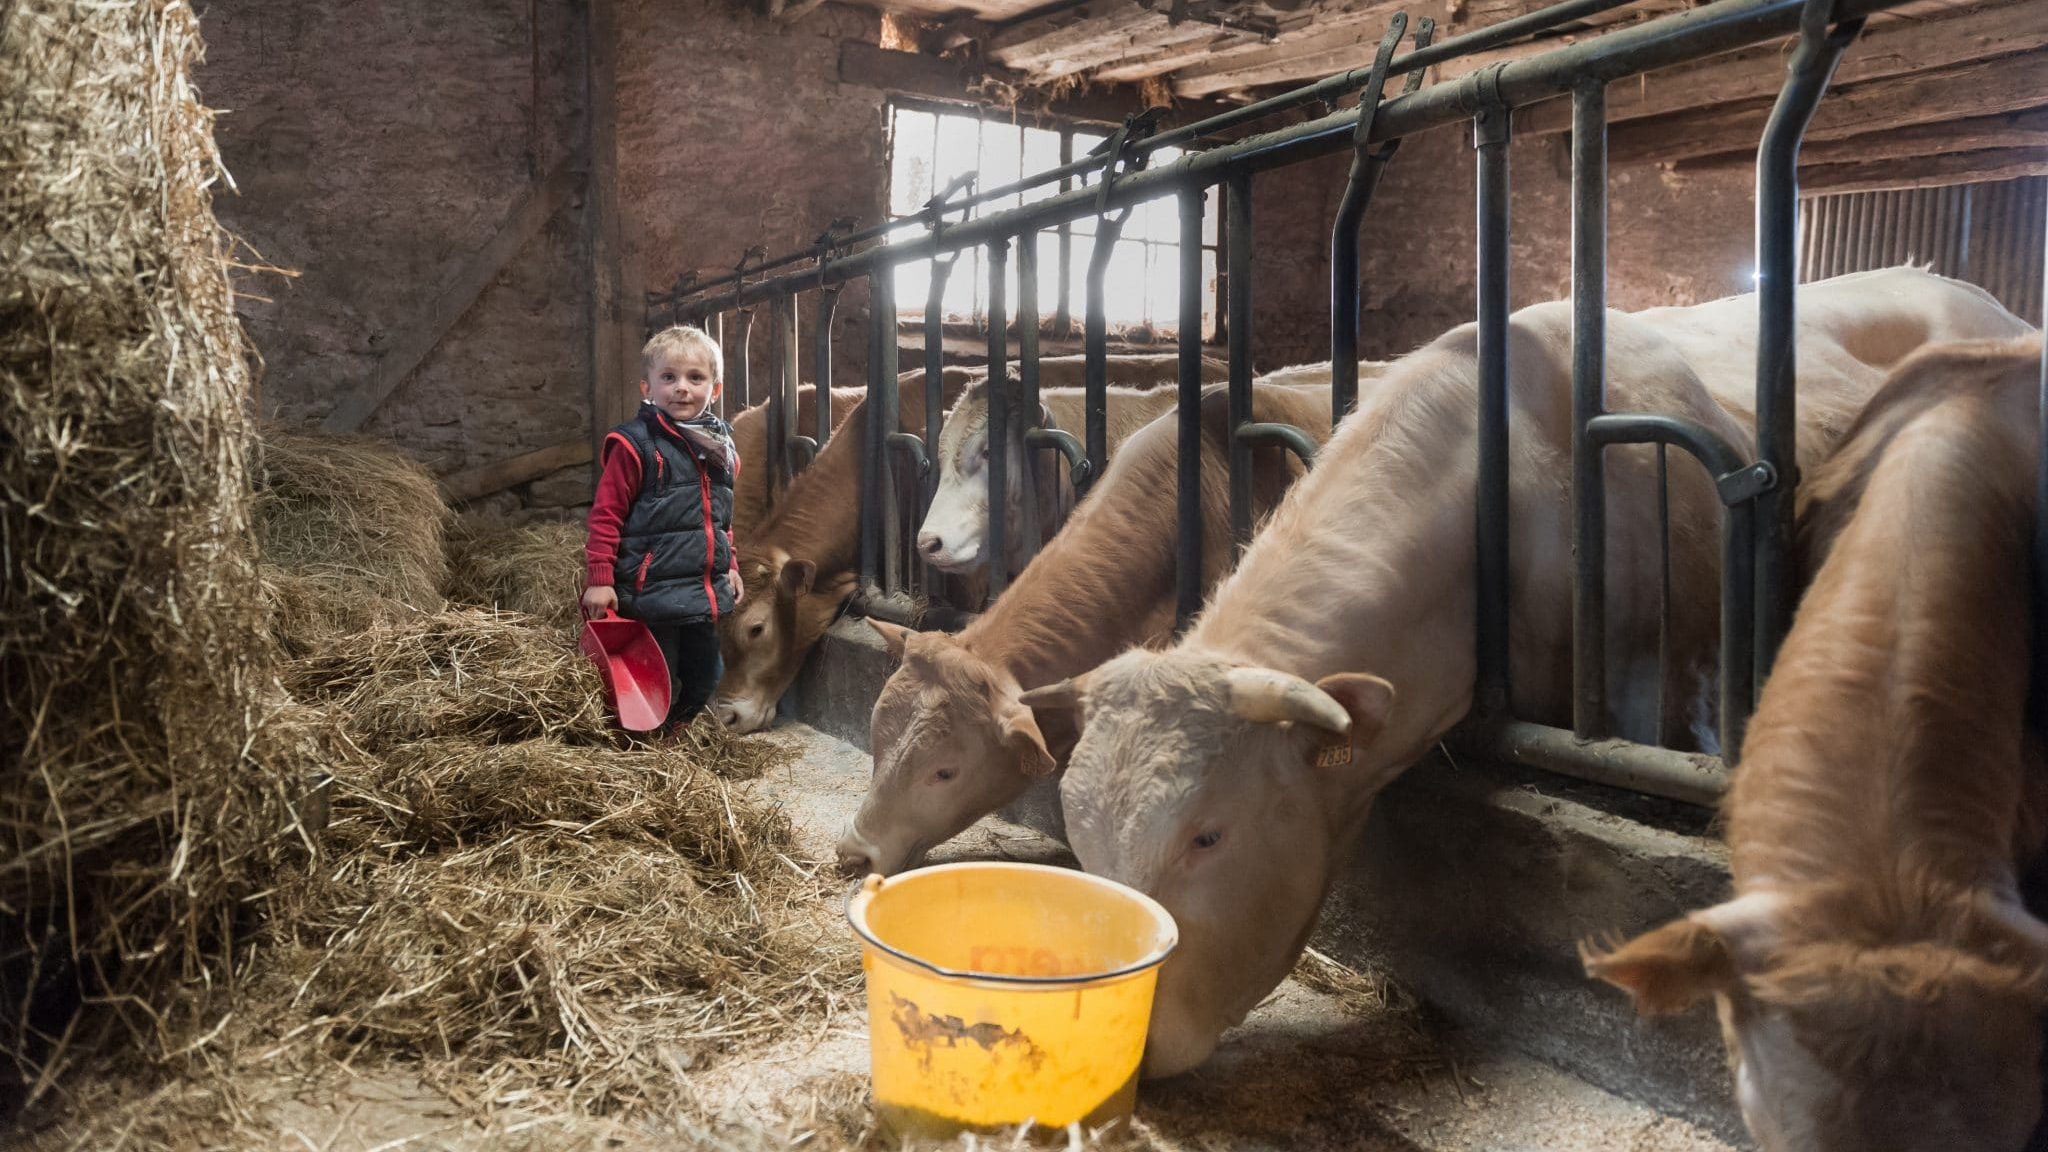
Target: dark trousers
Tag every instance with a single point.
(694, 666)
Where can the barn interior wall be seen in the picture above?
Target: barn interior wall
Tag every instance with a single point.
(1671, 240)
(377, 149)
(735, 130)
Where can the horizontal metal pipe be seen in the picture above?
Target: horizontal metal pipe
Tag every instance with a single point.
(1685, 776)
(1718, 27)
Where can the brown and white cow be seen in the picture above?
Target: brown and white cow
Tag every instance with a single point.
(951, 536)
(951, 740)
(1228, 776)
(750, 500)
(1878, 981)
(800, 565)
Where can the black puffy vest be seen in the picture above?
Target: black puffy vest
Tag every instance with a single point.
(674, 551)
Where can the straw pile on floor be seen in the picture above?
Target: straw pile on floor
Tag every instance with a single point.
(536, 569)
(150, 767)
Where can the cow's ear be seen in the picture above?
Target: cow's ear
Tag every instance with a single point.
(1020, 734)
(1366, 699)
(795, 578)
(1064, 696)
(896, 636)
(1667, 970)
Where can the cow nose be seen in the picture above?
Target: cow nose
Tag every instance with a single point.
(725, 714)
(856, 857)
(930, 543)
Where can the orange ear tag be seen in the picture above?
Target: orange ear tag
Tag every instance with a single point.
(1334, 755)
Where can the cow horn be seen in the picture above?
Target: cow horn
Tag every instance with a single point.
(1264, 696)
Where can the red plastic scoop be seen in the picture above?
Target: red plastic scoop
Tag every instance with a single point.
(635, 674)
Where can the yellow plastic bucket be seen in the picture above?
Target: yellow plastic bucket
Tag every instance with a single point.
(1004, 994)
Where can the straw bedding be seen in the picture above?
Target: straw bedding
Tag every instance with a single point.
(536, 569)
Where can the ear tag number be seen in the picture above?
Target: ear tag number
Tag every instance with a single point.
(1334, 755)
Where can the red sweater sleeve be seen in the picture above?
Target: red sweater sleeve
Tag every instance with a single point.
(617, 484)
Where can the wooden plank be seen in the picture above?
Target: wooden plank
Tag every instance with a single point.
(1888, 49)
(474, 483)
(411, 346)
(1984, 88)
(614, 335)
(2024, 129)
(915, 74)
(1333, 44)
(1926, 171)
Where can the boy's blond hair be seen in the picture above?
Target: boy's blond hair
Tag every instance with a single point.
(684, 338)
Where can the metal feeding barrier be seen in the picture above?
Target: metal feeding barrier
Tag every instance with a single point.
(1757, 591)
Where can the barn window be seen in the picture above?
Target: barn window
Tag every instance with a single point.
(931, 145)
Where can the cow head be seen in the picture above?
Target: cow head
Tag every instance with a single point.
(1226, 793)
(954, 534)
(951, 742)
(765, 641)
(1840, 1039)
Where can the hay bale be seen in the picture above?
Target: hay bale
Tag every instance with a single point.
(536, 569)
(355, 512)
(150, 769)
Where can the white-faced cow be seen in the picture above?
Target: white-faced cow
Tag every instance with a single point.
(1879, 983)
(1227, 776)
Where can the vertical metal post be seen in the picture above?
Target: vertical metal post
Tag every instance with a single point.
(1490, 137)
(934, 370)
(2037, 701)
(1589, 399)
(1777, 405)
(821, 370)
(782, 396)
(1238, 220)
(880, 324)
(883, 400)
(999, 400)
(1063, 310)
(739, 367)
(1095, 341)
(1367, 165)
(1027, 370)
(1188, 507)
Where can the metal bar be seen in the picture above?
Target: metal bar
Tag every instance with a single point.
(1188, 483)
(821, 370)
(1694, 33)
(1095, 342)
(1063, 309)
(935, 365)
(1065, 444)
(1777, 406)
(1237, 208)
(2037, 702)
(888, 418)
(1367, 165)
(1688, 777)
(999, 400)
(1589, 400)
(1490, 138)
(1738, 536)
(740, 366)
(881, 325)
(1031, 531)
(1265, 434)
(782, 397)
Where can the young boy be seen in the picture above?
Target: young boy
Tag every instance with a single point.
(660, 545)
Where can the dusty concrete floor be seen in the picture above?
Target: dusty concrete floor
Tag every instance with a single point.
(1334, 1066)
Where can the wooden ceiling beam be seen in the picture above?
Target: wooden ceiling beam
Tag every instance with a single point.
(1926, 171)
(915, 74)
(2027, 128)
(1334, 44)
(1983, 88)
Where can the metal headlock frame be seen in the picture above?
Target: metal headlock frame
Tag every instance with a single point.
(1757, 590)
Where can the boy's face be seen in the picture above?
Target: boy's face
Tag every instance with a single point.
(682, 384)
